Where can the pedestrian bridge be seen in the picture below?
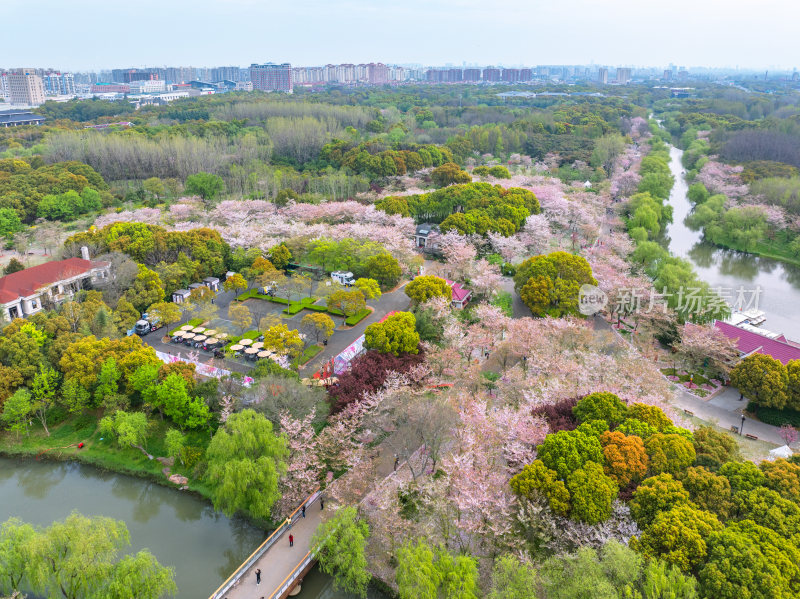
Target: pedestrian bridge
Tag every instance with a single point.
(282, 567)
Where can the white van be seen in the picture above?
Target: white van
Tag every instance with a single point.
(343, 278)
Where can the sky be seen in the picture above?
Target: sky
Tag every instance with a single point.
(102, 34)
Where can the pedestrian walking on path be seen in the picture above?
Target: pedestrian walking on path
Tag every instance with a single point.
(321, 504)
(291, 541)
(304, 510)
(258, 576)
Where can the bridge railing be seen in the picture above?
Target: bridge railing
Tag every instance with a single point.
(293, 575)
(263, 548)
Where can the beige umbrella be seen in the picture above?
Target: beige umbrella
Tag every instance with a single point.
(200, 337)
(198, 330)
(187, 327)
(212, 341)
(246, 342)
(188, 335)
(236, 347)
(177, 334)
(258, 344)
(210, 332)
(263, 354)
(223, 335)
(250, 351)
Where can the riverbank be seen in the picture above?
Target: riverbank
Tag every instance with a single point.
(102, 453)
(773, 249)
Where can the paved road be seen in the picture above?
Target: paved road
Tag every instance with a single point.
(280, 559)
(396, 300)
(724, 409)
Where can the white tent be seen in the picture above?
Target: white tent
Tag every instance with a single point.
(781, 452)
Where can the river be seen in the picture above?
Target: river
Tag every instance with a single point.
(779, 283)
(180, 529)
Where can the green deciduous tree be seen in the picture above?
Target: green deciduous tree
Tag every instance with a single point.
(748, 560)
(130, 428)
(396, 335)
(205, 185)
(16, 553)
(17, 411)
(784, 477)
(245, 461)
(235, 282)
(449, 173)
(280, 256)
(714, 448)
(743, 476)
(340, 544)
(240, 316)
(317, 326)
(78, 558)
(537, 478)
(709, 491)
(173, 398)
(283, 340)
(763, 379)
(513, 579)
(348, 302)
(166, 312)
(369, 287)
(601, 406)
(43, 390)
(655, 495)
(424, 287)
(670, 453)
(678, 536)
(549, 284)
(430, 573)
(147, 289)
(567, 451)
(591, 493)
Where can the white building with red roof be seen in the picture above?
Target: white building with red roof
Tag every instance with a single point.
(23, 293)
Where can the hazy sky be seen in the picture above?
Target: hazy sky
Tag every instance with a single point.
(95, 34)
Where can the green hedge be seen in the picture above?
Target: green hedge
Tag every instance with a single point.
(317, 308)
(357, 317)
(775, 417)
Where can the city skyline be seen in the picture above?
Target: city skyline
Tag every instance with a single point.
(617, 33)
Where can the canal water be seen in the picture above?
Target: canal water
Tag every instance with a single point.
(182, 531)
(779, 283)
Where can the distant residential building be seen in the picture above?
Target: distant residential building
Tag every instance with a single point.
(4, 85)
(491, 74)
(525, 75)
(473, 75)
(225, 74)
(667, 75)
(623, 76)
(377, 73)
(602, 75)
(244, 86)
(130, 75)
(148, 86)
(59, 84)
(25, 87)
(16, 118)
(110, 88)
(23, 293)
(271, 77)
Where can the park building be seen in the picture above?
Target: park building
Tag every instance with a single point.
(29, 291)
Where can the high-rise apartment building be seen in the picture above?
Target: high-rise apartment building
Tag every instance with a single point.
(225, 74)
(59, 84)
(271, 77)
(602, 75)
(377, 73)
(491, 74)
(128, 75)
(473, 75)
(623, 76)
(25, 87)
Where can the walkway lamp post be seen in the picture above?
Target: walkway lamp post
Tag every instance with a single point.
(741, 427)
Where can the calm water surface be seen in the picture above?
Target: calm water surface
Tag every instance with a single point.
(181, 530)
(729, 269)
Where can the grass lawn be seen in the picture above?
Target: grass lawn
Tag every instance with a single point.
(308, 354)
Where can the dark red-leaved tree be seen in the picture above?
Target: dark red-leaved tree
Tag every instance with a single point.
(367, 373)
(559, 415)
